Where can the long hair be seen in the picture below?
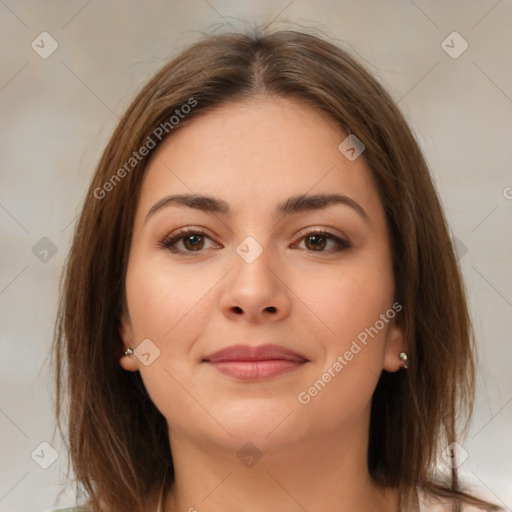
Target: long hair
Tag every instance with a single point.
(118, 440)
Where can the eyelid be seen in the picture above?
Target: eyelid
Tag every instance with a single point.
(323, 230)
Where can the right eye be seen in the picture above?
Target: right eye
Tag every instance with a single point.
(191, 240)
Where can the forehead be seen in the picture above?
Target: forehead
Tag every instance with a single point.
(256, 152)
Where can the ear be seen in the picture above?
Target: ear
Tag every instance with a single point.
(130, 362)
(395, 343)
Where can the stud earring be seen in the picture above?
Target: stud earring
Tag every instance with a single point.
(128, 352)
(403, 357)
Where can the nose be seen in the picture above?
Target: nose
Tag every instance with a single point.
(256, 292)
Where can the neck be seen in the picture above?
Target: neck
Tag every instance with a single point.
(324, 474)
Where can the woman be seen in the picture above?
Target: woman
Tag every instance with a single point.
(262, 308)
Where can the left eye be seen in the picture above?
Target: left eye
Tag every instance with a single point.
(194, 241)
(316, 241)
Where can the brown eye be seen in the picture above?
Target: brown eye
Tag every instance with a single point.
(187, 241)
(193, 242)
(318, 241)
(315, 242)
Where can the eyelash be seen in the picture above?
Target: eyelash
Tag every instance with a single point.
(170, 241)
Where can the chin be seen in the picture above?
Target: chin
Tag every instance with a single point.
(267, 427)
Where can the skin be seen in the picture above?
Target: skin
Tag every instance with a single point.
(254, 154)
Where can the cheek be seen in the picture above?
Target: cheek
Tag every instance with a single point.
(166, 307)
(161, 300)
(348, 299)
(350, 305)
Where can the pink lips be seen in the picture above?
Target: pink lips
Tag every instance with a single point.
(246, 362)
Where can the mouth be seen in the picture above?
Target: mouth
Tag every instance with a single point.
(245, 362)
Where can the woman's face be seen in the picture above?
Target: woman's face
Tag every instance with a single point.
(273, 264)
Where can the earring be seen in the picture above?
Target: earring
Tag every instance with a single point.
(403, 357)
(128, 352)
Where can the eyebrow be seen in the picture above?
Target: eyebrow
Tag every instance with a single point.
(294, 204)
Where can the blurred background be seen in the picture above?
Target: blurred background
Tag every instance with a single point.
(69, 69)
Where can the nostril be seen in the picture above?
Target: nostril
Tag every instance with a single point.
(238, 310)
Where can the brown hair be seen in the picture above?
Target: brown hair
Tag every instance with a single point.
(118, 440)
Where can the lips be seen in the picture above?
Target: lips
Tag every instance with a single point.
(259, 353)
(247, 362)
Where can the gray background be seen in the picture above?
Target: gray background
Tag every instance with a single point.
(58, 112)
